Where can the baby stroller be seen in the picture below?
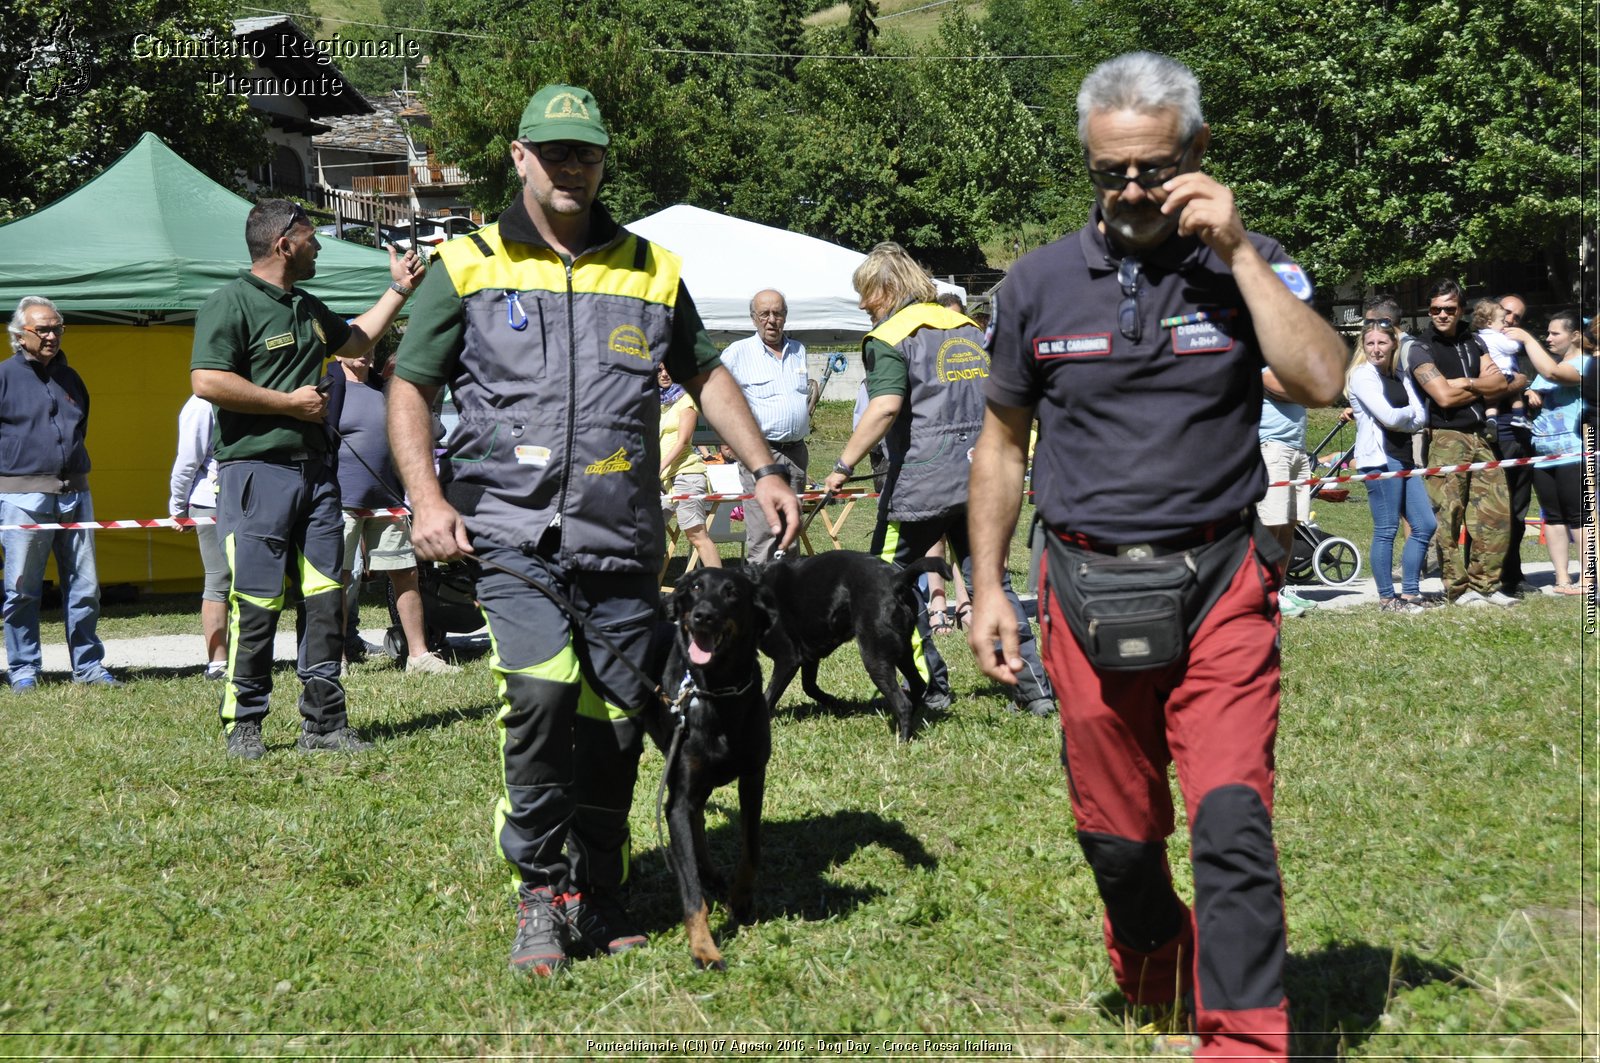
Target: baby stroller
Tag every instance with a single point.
(449, 605)
(1319, 556)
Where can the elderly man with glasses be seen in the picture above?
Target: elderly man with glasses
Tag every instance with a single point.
(770, 367)
(549, 326)
(1138, 342)
(260, 345)
(44, 479)
(1454, 371)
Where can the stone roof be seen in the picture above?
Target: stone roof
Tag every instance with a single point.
(379, 133)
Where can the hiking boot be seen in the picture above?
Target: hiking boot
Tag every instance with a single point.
(244, 740)
(431, 663)
(340, 740)
(537, 948)
(598, 923)
(1169, 1028)
(936, 700)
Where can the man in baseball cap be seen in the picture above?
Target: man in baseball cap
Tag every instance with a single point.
(549, 326)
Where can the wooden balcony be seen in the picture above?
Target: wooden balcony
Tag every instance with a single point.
(400, 186)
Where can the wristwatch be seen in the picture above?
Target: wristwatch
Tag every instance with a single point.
(775, 469)
(396, 286)
(840, 466)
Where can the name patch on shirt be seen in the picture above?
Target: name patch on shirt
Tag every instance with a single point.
(538, 457)
(1087, 345)
(285, 340)
(1201, 337)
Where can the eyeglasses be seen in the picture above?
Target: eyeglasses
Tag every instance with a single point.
(555, 152)
(1147, 178)
(1128, 313)
(772, 315)
(1381, 322)
(1443, 311)
(45, 330)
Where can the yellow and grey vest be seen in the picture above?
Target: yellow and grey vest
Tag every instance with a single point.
(556, 388)
(930, 443)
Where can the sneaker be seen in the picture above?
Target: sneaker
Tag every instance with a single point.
(244, 740)
(104, 679)
(217, 670)
(1044, 708)
(1400, 605)
(1471, 598)
(1169, 1026)
(1287, 606)
(340, 740)
(1303, 603)
(24, 686)
(431, 662)
(537, 948)
(1500, 598)
(598, 923)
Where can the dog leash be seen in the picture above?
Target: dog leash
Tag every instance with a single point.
(822, 503)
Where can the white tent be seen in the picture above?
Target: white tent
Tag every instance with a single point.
(727, 260)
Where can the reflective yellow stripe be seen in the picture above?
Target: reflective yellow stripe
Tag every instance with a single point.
(595, 707)
(314, 582)
(522, 268)
(915, 316)
(891, 546)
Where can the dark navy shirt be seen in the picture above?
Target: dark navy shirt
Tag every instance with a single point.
(44, 416)
(1139, 439)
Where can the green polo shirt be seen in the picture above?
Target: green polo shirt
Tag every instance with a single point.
(275, 339)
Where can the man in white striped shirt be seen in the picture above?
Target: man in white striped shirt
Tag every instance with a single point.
(771, 370)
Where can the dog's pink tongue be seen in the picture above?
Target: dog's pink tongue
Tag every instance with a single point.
(698, 654)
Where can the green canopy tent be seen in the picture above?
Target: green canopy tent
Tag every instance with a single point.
(129, 257)
(151, 237)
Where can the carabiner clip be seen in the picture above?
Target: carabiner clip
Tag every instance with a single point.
(514, 311)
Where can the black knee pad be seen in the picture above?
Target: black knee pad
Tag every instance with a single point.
(1136, 887)
(1238, 901)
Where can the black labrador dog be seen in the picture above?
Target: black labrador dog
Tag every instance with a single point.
(716, 730)
(826, 600)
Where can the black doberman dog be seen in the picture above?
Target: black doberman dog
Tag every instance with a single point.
(829, 598)
(717, 730)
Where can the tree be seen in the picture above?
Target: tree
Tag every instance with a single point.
(1392, 140)
(863, 25)
(82, 84)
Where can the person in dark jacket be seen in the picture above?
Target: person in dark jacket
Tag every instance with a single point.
(44, 479)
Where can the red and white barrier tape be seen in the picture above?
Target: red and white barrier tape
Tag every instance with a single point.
(804, 496)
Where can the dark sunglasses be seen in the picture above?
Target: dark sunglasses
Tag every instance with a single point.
(45, 330)
(1128, 313)
(557, 152)
(1147, 178)
(298, 217)
(1435, 311)
(1381, 322)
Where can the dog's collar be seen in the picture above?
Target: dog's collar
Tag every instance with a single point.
(691, 696)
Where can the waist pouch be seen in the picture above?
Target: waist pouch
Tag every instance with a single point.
(1131, 615)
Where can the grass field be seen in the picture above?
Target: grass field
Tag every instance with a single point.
(1435, 817)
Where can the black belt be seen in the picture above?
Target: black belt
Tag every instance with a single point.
(1199, 535)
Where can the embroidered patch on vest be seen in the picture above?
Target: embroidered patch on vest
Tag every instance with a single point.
(316, 326)
(1087, 345)
(617, 462)
(1294, 278)
(961, 359)
(629, 340)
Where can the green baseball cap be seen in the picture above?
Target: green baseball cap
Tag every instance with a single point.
(563, 112)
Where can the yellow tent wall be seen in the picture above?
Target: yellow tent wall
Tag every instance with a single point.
(138, 380)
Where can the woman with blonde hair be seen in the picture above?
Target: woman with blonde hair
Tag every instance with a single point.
(926, 365)
(1387, 413)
